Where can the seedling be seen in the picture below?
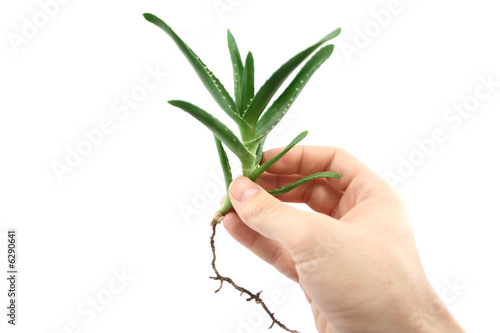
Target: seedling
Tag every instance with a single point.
(254, 118)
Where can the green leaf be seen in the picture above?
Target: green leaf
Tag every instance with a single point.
(248, 82)
(267, 91)
(220, 130)
(288, 188)
(254, 175)
(213, 85)
(228, 177)
(238, 71)
(282, 104)
(260, 151)
(224, 162)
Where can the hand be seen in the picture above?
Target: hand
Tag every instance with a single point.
(355, 259)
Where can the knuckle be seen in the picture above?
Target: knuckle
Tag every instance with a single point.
(343, 152)
(262, 208)
(277, 253)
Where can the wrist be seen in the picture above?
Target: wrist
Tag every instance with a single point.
(428, 314)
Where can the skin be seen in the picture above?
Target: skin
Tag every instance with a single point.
(355, 257)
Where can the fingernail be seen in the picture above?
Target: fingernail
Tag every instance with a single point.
(242, 189)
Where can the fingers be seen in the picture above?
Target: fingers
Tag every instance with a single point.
(306, 160)
(294, 229)
(268, 250)
(318, 194)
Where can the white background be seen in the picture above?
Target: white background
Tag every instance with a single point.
(136, 202)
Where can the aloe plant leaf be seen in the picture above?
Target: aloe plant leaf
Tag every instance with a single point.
(267, 91)
(260, 150)
(238, 71)
(282, 104)
(213, 85)
(254, 175)
(221, 131)
(288, 188)
(248, 82)
(224, 162)
(228, 177)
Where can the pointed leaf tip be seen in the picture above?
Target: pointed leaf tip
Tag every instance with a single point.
(238, 72)
(271, 86)
(209, 80)
(148, 16)
(332, 34)
(273, 115)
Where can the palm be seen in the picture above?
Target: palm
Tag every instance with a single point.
(357, 206)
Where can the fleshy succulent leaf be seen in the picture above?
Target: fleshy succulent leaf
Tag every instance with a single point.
(238, 71)
(281, 105)
(248, 82)
(213, 85)
(260, 151)
(224, 162)
(221, 131)
(288, 188)
(257, 172)
(267, 91)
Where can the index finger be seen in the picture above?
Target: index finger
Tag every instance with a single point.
(306, 160)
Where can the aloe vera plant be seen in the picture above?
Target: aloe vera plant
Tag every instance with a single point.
(254, 117)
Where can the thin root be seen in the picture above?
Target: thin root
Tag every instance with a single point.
(215, 221)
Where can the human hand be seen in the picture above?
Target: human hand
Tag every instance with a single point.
(355, 259)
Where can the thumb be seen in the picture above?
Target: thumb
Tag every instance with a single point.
(270, 217)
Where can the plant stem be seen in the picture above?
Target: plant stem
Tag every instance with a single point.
(226, 206)
(248, 169)
(247, 135)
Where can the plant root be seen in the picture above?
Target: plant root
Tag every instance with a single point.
(215, 221)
